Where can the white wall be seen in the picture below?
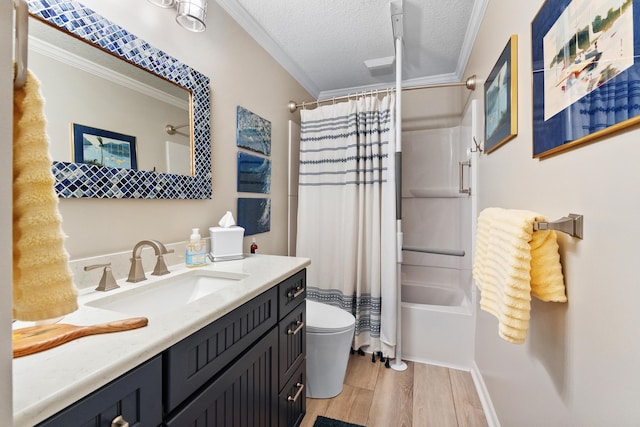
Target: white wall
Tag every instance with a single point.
(579, 364)
(6, 113)
(241, 73)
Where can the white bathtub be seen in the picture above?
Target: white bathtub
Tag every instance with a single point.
(437, 325)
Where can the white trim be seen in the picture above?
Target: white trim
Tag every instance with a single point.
(479, 8)
(251, 26)
(80, 63)
(485, 398)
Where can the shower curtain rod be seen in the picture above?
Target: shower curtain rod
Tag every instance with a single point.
(469, 83)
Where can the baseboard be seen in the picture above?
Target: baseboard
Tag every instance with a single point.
(483, 394)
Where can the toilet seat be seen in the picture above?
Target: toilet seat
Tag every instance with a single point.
(327, 319)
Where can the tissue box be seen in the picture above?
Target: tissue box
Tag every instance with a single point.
(226, 243)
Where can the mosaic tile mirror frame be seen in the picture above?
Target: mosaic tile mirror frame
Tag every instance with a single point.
(75, 180)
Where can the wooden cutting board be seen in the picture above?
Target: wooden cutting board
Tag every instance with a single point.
(34, 339)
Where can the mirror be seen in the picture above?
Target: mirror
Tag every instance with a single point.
(86, 86)
(154, 176)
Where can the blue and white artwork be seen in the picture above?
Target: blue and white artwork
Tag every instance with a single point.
(253, 132)
(254, 173)
(254, 215)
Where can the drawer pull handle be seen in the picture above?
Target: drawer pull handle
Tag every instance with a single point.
(298, 393)
(299, 325)
(296, 294)
(119, 421)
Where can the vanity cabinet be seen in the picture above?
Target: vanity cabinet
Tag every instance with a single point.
(292, 351)
(246, 368)
(134, 398)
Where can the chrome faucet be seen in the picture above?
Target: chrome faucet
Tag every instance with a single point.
(136, 272)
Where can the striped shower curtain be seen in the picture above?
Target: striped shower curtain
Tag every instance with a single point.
(346, 214)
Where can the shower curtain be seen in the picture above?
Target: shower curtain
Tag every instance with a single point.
(346, 214)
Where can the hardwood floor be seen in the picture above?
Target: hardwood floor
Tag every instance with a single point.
(423, 395)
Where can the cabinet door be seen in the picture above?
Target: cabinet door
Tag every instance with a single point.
(136, 396)
(244, 395)
(292, 401)
(192, 362)
(292, 341)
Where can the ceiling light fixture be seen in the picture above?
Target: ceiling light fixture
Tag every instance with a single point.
(191, 15)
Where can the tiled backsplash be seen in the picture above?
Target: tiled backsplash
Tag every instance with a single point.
(120, 263)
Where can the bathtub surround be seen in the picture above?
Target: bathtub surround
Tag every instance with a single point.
(437, 296)
(42, 282)
(512, 263)
(346, 213)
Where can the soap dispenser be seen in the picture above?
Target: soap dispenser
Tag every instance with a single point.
(196, 250)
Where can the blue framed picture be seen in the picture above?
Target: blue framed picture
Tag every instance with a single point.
(254, 215)
(253, 132)
(103, 148)
(501, 98)
(254, 173)
(586, 72)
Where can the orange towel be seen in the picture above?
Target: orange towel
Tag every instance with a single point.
(42, 281)
(512, 262)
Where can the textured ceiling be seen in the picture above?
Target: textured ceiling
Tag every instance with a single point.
(324, 43)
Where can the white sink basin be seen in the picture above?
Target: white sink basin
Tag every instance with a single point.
(167, 294)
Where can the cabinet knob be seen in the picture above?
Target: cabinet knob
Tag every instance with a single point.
(119, 421)
(298, 393)
(293, 294)
(299, 325)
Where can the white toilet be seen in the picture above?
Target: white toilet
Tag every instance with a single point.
(329, 336)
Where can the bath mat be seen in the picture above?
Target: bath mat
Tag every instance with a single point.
(330, 422)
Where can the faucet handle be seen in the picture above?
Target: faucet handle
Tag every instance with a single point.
(107, 281)
(161, 266)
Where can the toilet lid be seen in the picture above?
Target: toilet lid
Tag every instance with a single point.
(326, 318)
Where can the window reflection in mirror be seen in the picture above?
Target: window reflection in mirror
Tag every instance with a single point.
(84, 85)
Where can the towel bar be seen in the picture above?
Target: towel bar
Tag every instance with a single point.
(572, 225)
(22, 33)
(450, 252)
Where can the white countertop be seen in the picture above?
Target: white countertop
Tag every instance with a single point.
(47, 382)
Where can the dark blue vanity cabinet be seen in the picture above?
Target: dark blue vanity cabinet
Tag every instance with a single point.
(134, 398)
(246, 368)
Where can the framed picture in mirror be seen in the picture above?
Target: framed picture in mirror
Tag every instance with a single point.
(103, 147)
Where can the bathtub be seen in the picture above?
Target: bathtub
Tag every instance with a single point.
(437, 324)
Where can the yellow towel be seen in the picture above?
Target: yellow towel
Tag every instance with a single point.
(42, 281)
(512, 262)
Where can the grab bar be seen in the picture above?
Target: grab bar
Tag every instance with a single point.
(461, 165)
(572, 225)
(450, 252)
(22, 33)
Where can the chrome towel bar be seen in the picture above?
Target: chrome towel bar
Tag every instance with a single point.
(21, 44)
(572, 225)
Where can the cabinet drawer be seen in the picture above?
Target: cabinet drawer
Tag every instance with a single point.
(292, 341)
(244, 395)
(193, 361)
(292, 399)
(136, 396)
(291, 292)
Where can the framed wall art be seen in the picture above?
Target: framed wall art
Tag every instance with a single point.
(103, 148)
(252, 131)
(254, 215)
(254, 173)
(501, 98)
(586, 79)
